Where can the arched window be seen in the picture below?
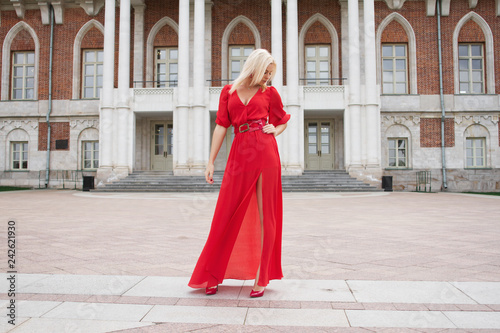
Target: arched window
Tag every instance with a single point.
(318, 51)
(25, 61)
(87, 60)
(473, 56)
(161, 54)
(246, 27)
(396, 58)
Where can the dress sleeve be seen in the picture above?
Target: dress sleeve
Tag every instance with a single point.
(277, 115)
(223, 112)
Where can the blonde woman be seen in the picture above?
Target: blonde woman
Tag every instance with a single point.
(245, 237)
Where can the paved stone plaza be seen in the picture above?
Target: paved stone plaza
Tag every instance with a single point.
(353, 262)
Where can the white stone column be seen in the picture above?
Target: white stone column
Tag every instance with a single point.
(354, 106)
(122, 141)
(292, 78)
(181, 116)
(371, 101)
(199, 86)
(277, 42)
(139, 45)
(107, 107)
(277, 52)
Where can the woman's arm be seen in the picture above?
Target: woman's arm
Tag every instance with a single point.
(270, 129)
(217, 139)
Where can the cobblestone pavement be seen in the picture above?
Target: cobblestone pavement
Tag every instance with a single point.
(353, 262)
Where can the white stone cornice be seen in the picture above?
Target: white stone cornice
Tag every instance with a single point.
(91, 7)
(395, 4)
(45, 12)
(19, 7)
(497, 6)
(431, 7)
(58, 7)
(445, 7)
(473, 3)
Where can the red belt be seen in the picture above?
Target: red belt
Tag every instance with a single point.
(251, 126)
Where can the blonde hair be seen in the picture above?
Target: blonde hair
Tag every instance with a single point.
(255, 67)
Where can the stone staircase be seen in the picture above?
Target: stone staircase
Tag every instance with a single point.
(310, 181)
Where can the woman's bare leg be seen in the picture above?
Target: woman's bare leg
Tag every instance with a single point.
(256, 287)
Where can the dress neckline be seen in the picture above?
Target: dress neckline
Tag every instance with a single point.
(251, 98)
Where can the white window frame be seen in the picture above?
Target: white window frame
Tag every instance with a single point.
(169, 60)
(93, 151)
(315, 77)
(470, 71)
(471, 152)
(21, 153)
(96, 76)
(396, 157)
(394, 82)
(27, 75)
(244, 51)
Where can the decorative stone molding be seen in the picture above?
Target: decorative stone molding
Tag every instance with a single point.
(215, 90)
(91, 7)
(476, 119)
(395, 4)
(323, 89)
(58, 11)
(153, 91)
(473, 3)
(397, 119)
(93, 123)
(12, 124)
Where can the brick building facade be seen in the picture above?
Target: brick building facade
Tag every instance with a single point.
(135, 86)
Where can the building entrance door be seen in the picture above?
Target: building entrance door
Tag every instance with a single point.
(161, 146)
(319, 144)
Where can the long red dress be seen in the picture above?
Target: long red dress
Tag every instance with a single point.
(233, 247)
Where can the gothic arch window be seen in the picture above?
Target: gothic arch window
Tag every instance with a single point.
(488, 51)
(150, 57)
(6, 58)
(334, 44)
(411, 52)
(225, 41)
(77, 54)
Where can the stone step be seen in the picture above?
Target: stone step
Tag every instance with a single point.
(165, 181)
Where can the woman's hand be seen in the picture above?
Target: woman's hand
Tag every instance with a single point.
(269, 129)
(209, 173)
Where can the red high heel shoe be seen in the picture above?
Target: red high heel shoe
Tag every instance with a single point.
(257, 293)
(211, 290)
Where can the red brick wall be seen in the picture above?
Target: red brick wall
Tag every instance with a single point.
(318, 34)
(23, 42)
(430, 132)
(470, 33)
(394, 33)
(166, 37)
(241, 35)
(58, 131)
(93, 39)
